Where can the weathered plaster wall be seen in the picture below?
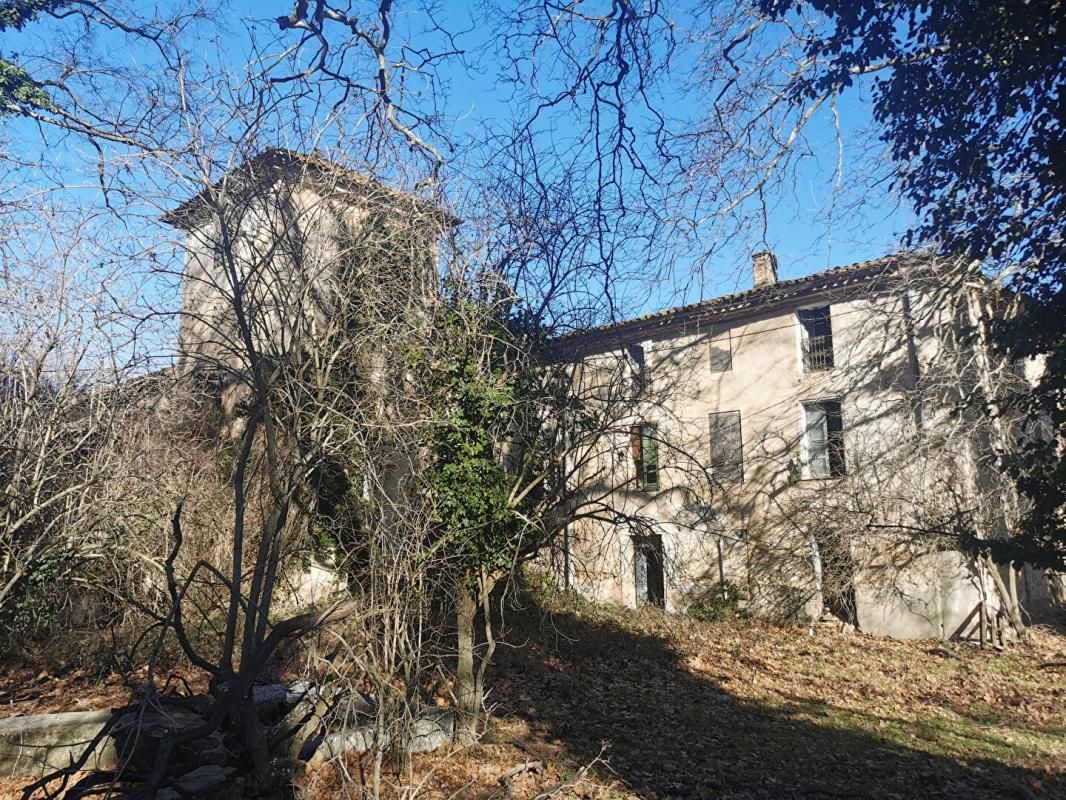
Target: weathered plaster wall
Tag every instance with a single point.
(882, 342)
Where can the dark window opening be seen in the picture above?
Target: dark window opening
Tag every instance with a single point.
(824, 439)
(644, 443)
(817, 328)
(727, 446)
(838, 570)
(648, 574)
(640, 375)
(722, 353)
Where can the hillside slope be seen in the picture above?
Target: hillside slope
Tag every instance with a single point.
(597, 702)
(749, 710)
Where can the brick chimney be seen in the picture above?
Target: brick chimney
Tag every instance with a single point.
(764, 268)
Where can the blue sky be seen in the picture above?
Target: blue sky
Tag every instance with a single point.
(807, 225)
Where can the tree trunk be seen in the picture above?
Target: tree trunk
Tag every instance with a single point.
(486, 582)
(1057, 586)
(468, 699)
(1010, 604)
(1012, 585)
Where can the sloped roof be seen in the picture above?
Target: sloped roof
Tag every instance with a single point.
(266, 167)
(730, 306)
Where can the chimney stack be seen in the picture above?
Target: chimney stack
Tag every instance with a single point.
(764, 268)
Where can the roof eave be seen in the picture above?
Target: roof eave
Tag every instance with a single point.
(276, 161)
(731, 307)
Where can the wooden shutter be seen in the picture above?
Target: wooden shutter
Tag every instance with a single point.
(640, 571)
(817, 440)
(643, 441)
(649, 446)
(727, 446)
(637, 450)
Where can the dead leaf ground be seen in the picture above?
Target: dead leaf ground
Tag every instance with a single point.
(749, 710)
(732, 710)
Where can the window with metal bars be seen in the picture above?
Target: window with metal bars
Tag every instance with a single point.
(649, 576)
(817, 338)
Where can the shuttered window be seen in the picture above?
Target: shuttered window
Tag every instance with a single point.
(644, 442)
(824, 439)
(727, 446)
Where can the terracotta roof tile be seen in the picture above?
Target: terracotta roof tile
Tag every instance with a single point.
(269, 164)
(751, 300)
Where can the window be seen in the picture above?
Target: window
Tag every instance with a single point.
(817, 333)
(823, 439)
(727, 447)
(721, 352)
(640, 375)
(645, 445)
(649, 577)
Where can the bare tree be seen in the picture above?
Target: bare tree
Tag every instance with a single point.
(62, 361)
(923, 477)
(312, 331)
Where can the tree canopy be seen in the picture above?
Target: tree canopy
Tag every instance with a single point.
(17, 87)
(969, 99)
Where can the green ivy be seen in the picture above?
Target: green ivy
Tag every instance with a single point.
(18, 88)
(32, 610)
(335, 530)
(16, 13)
(716, 604)
(476, 396)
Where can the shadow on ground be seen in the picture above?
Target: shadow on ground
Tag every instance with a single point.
(676, 734)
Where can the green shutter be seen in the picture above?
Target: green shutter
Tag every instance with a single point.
(649, 465)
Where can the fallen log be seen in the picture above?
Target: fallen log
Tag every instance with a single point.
(33, 745)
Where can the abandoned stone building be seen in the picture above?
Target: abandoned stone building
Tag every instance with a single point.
(287, 257)
(284, 238)
(807, 444)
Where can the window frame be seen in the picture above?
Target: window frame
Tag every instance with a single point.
(641, 435)
(812, 361)
(836, 464)
(649, 548)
